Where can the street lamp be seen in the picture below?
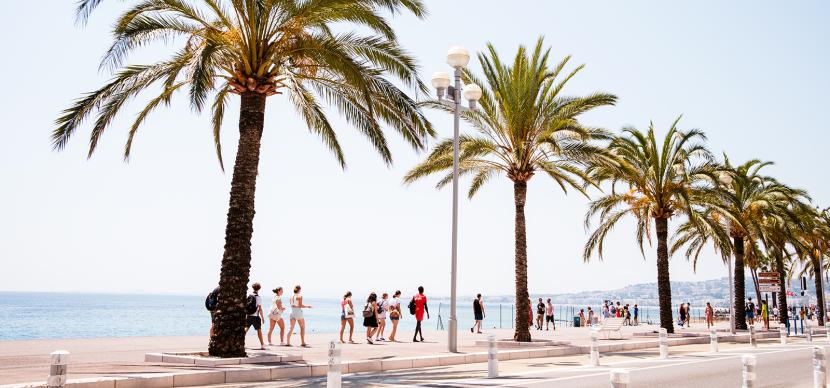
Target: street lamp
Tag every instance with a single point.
(457, 58)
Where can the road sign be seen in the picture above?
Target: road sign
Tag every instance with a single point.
(768, 281)
(769, 287)
(773, 275)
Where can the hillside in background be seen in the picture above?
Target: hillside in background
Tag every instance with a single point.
(715, 291)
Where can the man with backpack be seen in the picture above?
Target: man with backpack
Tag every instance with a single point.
(253, 307)
(211, 304)
(417, 307)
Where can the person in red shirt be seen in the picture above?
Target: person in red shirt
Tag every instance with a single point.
(420, 301)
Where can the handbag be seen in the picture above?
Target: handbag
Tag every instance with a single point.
(367, 312)
(348, 312)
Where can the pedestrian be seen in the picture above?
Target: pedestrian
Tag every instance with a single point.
(478, 314)
(549, 315)
(370, 316)
(710, 315)
(296, 316)
(383, 306)
(619, 311)
(529, 313)
(212, 304)
(417, 307)
(636, 315)
(688, 314)
(605, 310)
(681, 315)
(765, 314)
(253, 307)
(275, 316)
(750, 312)
(612, 311)
(627, 314)
(581, 317)
(347, 316)
(540, 314)
(395, 314)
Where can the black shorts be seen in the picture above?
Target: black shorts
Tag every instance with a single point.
(254, 321)
(549, 318)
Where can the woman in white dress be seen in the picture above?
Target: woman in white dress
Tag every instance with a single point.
(297, 307)
(275, 315)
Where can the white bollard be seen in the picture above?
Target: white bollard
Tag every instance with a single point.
(713, 341)
(492, 357)
(619, 378)
(809, 332)
(819, 367)
(748, 374)
(58, 369)
(333, 377)
(664, 343)
(594, 347)
(782, 333)
(752, 337)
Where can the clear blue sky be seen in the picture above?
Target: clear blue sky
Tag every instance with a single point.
(751, 74)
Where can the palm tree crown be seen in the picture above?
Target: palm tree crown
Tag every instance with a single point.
(267, 47)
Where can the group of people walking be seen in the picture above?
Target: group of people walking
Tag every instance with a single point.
(375, 313)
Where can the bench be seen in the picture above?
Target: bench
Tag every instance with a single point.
(610, 325)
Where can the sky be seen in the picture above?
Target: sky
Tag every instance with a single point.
(751, 74)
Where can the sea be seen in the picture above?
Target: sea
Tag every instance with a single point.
(28, 315)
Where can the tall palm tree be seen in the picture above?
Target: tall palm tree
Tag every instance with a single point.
(525, 125)
(734, 210)
(660, 178)
(257, 49)
(779, 233)
(813, 247)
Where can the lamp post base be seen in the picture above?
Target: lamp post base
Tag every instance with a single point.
(452, 335)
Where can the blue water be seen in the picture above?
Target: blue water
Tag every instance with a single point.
(69, 315)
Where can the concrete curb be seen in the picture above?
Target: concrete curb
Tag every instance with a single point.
(258, 373)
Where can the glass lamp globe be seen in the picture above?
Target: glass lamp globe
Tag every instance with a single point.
(458, 56)
(472, 92)
(440, 80)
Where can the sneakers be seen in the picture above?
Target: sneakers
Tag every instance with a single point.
(369, 340)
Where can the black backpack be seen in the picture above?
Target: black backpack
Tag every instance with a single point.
(250, 305)
(412, 306)
(212, 300)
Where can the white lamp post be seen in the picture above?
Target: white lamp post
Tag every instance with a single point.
(457, 58)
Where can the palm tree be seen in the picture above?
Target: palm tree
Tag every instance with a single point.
(779, 233)
(257, 49)
(524, 126)
(660, 180)
(813, 247)
(734, 210)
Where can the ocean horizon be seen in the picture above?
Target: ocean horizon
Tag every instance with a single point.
(52, 315)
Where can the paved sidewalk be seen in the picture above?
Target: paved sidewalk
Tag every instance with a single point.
(28, 361)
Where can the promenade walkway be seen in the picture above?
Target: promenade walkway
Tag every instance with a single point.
(28, 361)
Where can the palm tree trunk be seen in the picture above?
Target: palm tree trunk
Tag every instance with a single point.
(228, 338)
(819, 289)
(663, 281)
(740, 292)
(522, 298)
(782, 294)
(754, 273)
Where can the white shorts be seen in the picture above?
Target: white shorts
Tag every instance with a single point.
(297, 314)
(276, 316)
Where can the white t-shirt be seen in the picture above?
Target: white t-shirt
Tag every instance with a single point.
(258, 304)
(383, 305)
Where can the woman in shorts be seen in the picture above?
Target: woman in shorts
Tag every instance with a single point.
(347, 316)
(297, 307)
(395, 314)
(275, 315)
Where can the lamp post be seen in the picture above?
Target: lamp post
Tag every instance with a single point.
(457, 58)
